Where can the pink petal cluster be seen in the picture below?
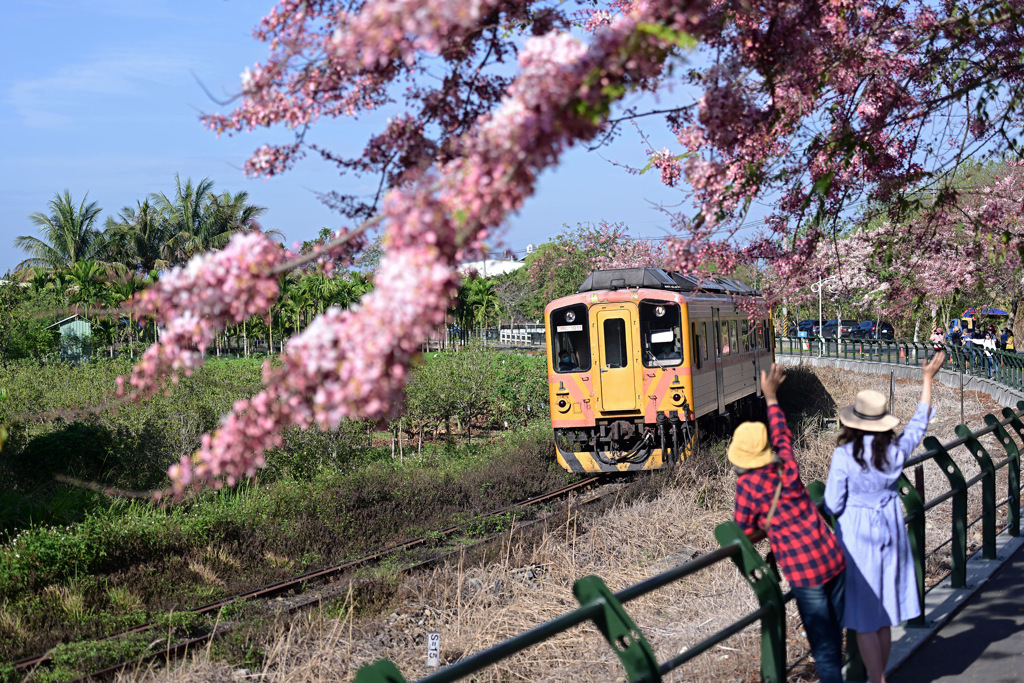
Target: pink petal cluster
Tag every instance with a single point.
(200, 298)
(354, 363)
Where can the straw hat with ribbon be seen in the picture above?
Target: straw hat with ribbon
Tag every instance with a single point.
(868, 413)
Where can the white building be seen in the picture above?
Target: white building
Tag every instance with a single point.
(489, 267)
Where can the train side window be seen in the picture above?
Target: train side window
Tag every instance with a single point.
(723, 344)
(660, 334)
(704, 339)
(615, 343)
(734, 339)
(745, 334)
(570, 341)
(695, 345)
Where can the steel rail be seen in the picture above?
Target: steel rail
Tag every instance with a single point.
(285, 585)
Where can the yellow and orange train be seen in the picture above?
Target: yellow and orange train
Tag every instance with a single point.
(637, 355)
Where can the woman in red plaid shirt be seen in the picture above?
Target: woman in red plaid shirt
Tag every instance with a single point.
(771, 496)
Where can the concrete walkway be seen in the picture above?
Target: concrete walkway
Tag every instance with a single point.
(984, 640)
(974, 633)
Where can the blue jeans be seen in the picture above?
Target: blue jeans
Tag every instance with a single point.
(821, 609)
(990, 363)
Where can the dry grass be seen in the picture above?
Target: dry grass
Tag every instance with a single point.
(124, 599)
(72, 602)
(11, 624)
(474, 607)
(278, 561)
(220, 556)
(205, 573)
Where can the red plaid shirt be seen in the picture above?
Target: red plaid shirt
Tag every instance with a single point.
(805, 548)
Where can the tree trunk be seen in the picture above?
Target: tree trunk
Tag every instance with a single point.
(1015, 298)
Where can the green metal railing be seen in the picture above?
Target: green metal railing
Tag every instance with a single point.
(606, 609)
(1006, 367)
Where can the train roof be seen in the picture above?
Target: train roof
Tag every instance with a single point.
(656, 278)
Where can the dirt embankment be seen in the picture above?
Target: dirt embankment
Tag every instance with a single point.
(475, 606)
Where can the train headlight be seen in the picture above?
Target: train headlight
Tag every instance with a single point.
(659, 311)
(563, 405)
(570, 316)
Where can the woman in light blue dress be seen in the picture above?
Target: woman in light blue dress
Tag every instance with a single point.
(861, 492)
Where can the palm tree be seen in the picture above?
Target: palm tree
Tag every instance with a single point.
(477, 302)
(119, 292)
(138, 238)
(184, 215)
(197, 220)
(230, 214)
(87, 282)
(66, 235)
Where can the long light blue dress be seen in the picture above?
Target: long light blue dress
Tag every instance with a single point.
(880, 583)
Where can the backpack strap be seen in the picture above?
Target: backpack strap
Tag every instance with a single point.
(775, 502)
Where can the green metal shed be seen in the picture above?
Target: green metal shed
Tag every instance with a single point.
(75, 338)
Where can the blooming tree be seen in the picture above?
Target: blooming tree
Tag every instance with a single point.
(558, 267)
(818, 103)
(970, 251)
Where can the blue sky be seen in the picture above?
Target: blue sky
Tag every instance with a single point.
(103, 97)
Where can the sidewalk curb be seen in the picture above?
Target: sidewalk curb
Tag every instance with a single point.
(943, 602)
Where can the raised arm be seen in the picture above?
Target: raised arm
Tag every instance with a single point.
(930, 370)
(770, 382)
(778, 431)
(918, 424)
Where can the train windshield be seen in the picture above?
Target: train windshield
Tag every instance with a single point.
(661, 334)
(570, 339)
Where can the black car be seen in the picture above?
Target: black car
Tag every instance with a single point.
(870, 329)
(810, 327)
(836, 328)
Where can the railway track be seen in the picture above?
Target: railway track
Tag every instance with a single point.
(301, 583)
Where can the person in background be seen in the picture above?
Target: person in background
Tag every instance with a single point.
(1007, 338)
(970, 351)
(771, 496)
(861, 492)
(955, 341)
(938, 340)
(988, 345)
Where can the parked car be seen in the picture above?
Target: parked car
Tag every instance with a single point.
(870, 329)
(808, 327)
(835, 328)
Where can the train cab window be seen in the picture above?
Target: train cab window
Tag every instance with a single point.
(615, 343)
(660, 334)
(570, 341)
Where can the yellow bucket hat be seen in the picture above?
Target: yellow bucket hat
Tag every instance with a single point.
(749, 448)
